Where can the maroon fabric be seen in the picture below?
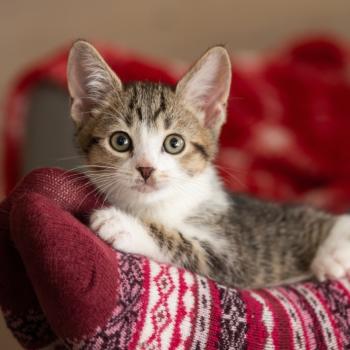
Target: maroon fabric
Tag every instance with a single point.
(79, 289)
(25, 221)
(16, 293)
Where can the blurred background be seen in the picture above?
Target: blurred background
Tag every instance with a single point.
(176, 31)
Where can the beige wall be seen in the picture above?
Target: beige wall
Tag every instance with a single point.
(159, 28)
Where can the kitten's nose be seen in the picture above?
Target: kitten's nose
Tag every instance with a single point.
(145, 171)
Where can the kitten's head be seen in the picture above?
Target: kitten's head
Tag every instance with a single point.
(146, 140)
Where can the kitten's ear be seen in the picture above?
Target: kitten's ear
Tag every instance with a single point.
(89, 79)
(206, 86)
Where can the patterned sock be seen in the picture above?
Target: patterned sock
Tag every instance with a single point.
(18, 301)
(96, 298)
(19, 304)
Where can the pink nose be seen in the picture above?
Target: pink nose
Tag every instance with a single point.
(145, 172)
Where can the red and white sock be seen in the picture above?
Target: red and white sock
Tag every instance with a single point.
(96, 298)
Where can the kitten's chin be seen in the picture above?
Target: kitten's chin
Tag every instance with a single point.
(146, 193)
(144, 188)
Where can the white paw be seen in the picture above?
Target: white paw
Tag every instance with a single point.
(112, 225)
(123, 232)
(332, 260)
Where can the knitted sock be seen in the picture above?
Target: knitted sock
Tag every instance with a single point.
(18, 301)
(96, 298)
(19, 304)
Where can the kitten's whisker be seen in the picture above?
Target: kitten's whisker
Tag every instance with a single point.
(108, 191)
(97, 165)
(97, 173)
(236, 170)
(99, 189)
(78, 176)
(88, 174)
(86, 166)
(90, 193)
(69, 158)
(232, 177)
(98, 182)
(87, 185)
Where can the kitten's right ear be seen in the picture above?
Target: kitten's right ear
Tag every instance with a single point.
(89, 79)
(205, 87)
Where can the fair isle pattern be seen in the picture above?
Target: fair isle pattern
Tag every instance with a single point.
(315, 338)
(323, 299)
(299, 328)
(260, 321)
(118, 331)
(307, 316)
(233, 327)
(266, 317)
(335, 294)
(186, 311)
(324, 317)
(306, 320)
(296, 324)
(162, 307)
(202, 325)
(31, 329)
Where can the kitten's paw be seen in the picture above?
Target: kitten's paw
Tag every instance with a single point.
(111, 224)
(333, 257)
(123, 232)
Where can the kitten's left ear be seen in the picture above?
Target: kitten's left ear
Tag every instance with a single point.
(206, 87)
(90, 79)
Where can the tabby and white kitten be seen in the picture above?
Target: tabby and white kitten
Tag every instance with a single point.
(151, 148)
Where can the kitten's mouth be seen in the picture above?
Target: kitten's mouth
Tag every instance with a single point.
(144, 188)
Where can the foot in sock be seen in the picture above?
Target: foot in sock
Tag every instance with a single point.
(18, 300)
(96, 298)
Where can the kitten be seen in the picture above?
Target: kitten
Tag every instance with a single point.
(151, 148)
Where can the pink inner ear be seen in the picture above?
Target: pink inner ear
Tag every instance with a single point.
(213, 104)
(212, 115)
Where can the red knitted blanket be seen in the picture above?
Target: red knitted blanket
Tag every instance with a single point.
(60, 284)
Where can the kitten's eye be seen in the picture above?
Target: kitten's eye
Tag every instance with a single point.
(174, 144)
(120, 141)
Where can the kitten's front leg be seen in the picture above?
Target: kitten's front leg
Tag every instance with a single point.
(332, 259)
(128, 234)
(125, 233)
